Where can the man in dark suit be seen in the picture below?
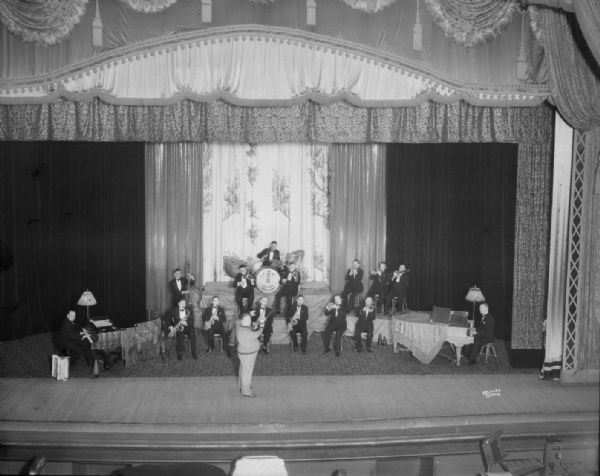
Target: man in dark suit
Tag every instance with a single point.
(337, 323)
(353, 286)
(179, 286)
(214, 320)
(269, 255)
(177, 322)
(366, 317)
(296, 320)
(243, 284)
(264, 313)
(484, 334)
(77, 340)
(381, 278)
(290, 280)
(398, 288)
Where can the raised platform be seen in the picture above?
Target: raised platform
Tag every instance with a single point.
(295, 418)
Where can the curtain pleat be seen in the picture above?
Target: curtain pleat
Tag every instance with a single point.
(588, 17)
(173, 176)
(358, 209)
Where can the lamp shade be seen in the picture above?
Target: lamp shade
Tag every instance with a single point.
(87, 299)
(475, 295)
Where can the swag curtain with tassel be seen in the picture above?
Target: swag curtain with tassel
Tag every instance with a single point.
(173, 175)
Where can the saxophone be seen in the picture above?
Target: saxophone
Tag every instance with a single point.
(179, 326)
(293, 321)
(214, 317)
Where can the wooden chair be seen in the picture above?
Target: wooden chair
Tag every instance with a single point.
(492, 454)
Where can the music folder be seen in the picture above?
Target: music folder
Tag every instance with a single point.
(103, 324)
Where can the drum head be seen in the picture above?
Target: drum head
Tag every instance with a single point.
(267, 280)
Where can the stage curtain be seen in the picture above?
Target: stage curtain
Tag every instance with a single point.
(451, 220)
(574, 73)
(254, 194)
(173, 178)
(358, 209)
(588, 17)
(72, 218)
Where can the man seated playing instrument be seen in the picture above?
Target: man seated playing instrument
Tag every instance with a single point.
(290, 280)
(337, 323)
(244, 289)
(366, 317)
(177, 323)
(76, 340)
(214, 320)
(296, 322)
(381, 282)
(264, 313)
(270, 255)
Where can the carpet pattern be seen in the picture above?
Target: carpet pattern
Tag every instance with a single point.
(30, 357)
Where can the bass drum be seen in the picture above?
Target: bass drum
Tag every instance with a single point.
(267, 280)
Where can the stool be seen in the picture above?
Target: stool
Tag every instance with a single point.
(400, 308)
(218, 338)
(488, 349)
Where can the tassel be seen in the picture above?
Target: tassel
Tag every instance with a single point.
(311, 12)
(522, 58)
(206, 11)
(97, 28)
(418, 31)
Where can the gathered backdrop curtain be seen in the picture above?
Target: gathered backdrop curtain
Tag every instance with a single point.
(358, 209)
(254, 194)
(574, 73)
(588, 17)
(173, 184)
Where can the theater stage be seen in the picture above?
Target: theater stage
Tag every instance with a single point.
(293, 417)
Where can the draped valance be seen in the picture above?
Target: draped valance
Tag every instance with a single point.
(257, 66)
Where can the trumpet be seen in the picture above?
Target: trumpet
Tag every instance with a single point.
(331, 306)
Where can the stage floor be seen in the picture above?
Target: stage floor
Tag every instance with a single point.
(205, 418)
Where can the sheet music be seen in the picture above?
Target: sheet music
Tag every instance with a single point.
(102, 323)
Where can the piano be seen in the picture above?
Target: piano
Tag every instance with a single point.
(424, 339)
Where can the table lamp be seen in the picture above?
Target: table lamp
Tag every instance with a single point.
(87, 299)
(474, 295)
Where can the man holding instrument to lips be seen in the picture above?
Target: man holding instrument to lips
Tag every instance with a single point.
(244, 289)
(214, 320)
(337, 323)
(366, 317)
(177, 323)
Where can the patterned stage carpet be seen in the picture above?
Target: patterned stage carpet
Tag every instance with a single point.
(29, 357)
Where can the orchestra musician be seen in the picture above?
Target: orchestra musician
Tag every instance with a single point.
(177, 323)
(381, 278)
(244, 283)
(484, 334)
(270, 255)
(398, 287)
(296, 322)
(290, 280)
(336, 323)
(366, 317)
(263, 313)
(179, 286)
(214, 320)
(353, 286)
(77, 340)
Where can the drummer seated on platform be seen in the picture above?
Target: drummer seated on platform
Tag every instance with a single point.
(270, 255)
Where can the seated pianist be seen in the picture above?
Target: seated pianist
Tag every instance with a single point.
(270, 255)
(78, 341)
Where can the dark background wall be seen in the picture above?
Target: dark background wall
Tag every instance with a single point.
(72, 218)
(450, 219)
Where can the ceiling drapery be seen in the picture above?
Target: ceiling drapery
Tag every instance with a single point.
(471, 22)
(44, 22)
(254, 66)
(588, 17)
(369, 6)
(149, 6)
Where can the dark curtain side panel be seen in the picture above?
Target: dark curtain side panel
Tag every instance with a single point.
(72, 219)
(451, 220)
